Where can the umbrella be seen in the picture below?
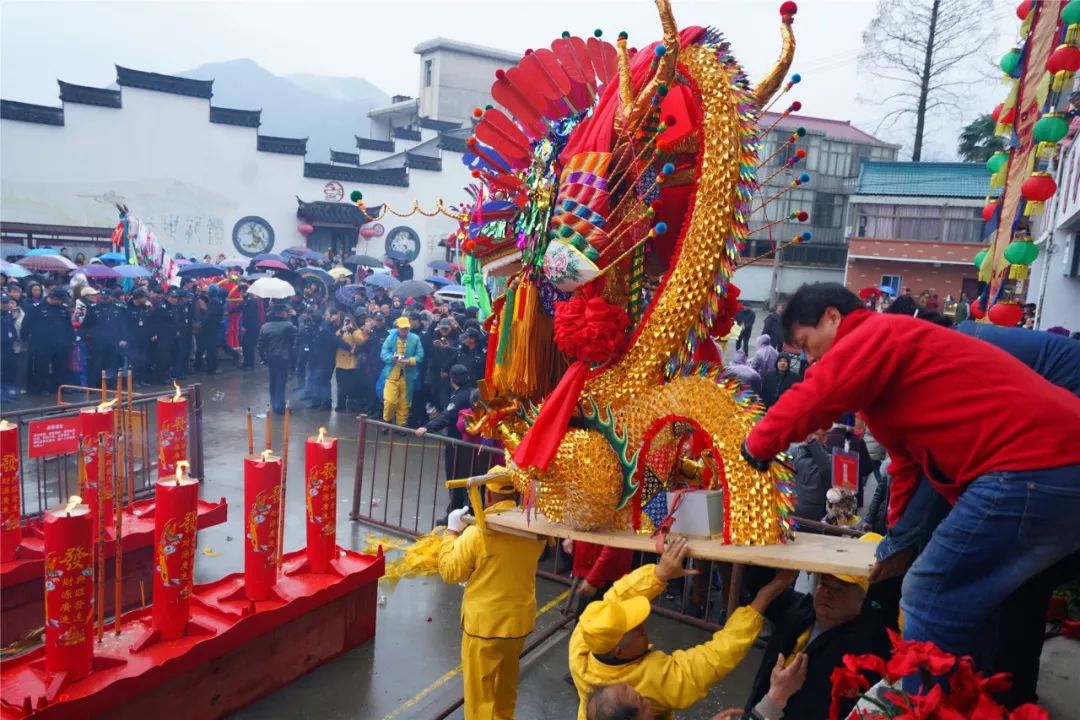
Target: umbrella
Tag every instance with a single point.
(36, 252)
(441, 265)
(346, 294)
(397, 255)
(303, 253)
(47, 263)
(382, 280)
(234, 263)
(112, 257)
(200, 270)
(317, 273)
(12, 270)
(271, 288)
(339, 272)
(99, 272)
(365, 260)
(412, 289)
(252, 277)
(268, 256)
(438, 281)
(7, 251)
(132, 271)
(868, 292)
(183, 262)
(272, 264)
(454, 290)
(888, 290)
(295, 250)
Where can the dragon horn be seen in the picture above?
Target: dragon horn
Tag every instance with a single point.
(769, 84)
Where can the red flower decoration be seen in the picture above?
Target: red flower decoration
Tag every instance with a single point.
(590, 329)
(725, 318)
(910, 657)
(1029, 711)
(845, 684)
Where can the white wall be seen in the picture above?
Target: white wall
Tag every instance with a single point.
(1057, 237)
(189, 178)
(755, 280)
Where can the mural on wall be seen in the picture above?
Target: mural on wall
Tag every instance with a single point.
(403, 243)
(252, 235)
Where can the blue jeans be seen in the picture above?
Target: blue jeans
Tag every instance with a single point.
(279, 376)
(1005, 528)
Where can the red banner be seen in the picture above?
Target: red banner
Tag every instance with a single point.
(10, 488)
(53, 437)
(845, 470)
(69, 591)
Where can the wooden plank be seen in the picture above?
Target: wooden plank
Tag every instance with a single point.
(809, 552)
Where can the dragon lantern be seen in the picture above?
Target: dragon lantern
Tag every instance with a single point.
(615, 184)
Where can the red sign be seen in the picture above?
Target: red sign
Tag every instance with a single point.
(845, 470)
(58, 436)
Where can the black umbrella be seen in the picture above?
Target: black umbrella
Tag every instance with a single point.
(365, 260)
(441, 265)
(200, 270)
(412, 289)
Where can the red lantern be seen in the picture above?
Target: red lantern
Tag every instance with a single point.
(1007, 119)
(977, 311)
(305, 229)
(1006, 314)
(1023, 9)
(988, 211)
(1039, 187)
(1066, 58)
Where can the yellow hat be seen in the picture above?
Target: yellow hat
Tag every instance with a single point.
(604, 623)
(502, 485)
(402, 322)
(862, 582)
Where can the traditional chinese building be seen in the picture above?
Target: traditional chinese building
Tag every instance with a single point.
(917, 225)
(209, 182)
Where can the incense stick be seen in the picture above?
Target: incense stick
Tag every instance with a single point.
(284, 475)
(251, 434)
(118, 509)
(269, 421)
(100, 594)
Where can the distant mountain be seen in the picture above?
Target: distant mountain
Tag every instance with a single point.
(329, 111)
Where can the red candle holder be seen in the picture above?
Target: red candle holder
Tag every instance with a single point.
(10, 492)
(69, 590)
(176, 503)
(172, 433)
(93, 421)
(320, 473)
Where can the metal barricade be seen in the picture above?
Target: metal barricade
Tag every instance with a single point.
(51, 480)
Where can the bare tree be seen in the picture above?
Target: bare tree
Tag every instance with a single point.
(921, 47)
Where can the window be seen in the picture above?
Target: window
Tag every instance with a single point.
(828, 210)
(920, 222)
(892, 281)
(428, 71)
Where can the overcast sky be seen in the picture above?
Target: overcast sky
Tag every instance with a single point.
(81, 41)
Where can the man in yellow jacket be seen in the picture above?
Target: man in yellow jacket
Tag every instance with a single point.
(610, 645)
(499, 606)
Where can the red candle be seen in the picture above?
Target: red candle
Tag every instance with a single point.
(91, 422)
(176, 502)
(262, 509)
(10, 492)
(69, 590)
(172, 433)
(320, 473)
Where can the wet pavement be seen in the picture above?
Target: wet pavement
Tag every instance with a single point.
(412, 667)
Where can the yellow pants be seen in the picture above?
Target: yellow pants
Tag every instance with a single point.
(395, 400)
(490, 672)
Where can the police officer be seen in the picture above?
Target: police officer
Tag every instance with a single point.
(471, 354)
(9, 335)
(250, 323)
(165, 336)
(51, 338)
(184, 312)
(106, 327)
(210, 330)
(139, 333)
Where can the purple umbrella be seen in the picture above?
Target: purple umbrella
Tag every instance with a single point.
(99, 272)
(346, 294)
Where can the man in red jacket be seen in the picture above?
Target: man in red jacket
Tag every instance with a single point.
(994, 438)
(598, 566)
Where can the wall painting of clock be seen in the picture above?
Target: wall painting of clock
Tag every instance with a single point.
(403, 243)
(252, 235)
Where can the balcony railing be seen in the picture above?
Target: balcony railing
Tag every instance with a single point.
(811, 254)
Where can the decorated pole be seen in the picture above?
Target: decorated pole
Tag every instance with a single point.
(172, 432)
(10, 492)
(176, 502)
(262, 508)
(99, 516)
(320, 473)
(69, 589)
(284, 479)
(92, 422)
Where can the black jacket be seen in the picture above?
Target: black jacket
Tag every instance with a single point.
(773, 385)
(745, 318)
(813, 478)
(774, 329)
(107, 324)
(47, 327)
(163, 321)
(441, 358)
(446, 421)
(276, 340)
(324, 348)
(793, 613)
(249, 316)
(138, 319)
(211, 321)
(475, 361)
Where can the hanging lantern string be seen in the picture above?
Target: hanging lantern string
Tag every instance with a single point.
(770, 200)
(440, 209)
(786, 166)
(794, 107)
(793, 138)
(766, 226)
